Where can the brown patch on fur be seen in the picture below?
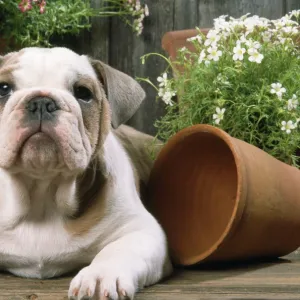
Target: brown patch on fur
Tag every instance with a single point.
(9, 63)
(92, 202)
(94, 184)
(140, 147)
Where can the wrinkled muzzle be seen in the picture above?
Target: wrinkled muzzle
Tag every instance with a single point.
(43, 131)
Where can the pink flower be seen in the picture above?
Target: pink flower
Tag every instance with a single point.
(42, 6)
(25, 5)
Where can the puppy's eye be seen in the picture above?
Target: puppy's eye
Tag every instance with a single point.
(5, 89)
(83, 93)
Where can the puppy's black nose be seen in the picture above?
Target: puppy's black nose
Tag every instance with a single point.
(42, 107)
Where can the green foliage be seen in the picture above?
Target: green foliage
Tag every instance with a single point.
(23, 23)
(32, 28)
(252, 95)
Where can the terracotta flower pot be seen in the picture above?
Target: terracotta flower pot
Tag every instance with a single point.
(172, 41)
(219, 198)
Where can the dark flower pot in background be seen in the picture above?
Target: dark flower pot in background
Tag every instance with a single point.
(3, 45)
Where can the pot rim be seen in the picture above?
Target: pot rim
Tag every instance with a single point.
(241, 191)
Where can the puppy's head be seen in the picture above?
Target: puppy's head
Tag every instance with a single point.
(56, 108)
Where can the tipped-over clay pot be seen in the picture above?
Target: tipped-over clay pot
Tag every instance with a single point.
(219, 198)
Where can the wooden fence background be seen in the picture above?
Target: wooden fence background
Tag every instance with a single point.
(114, 43)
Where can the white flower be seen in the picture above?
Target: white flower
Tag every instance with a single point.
(241, 40)
(163, 80)
(295, 13)
(251, 22)
(146, 10)
(253, 44)
(288, 126)
(214, 53)
(267, 36)
(166, 95)
(238, 53)
(255, 56)
(206, 62)
(218, 117)
(220, 24)
(287, 29)
(195, 38)
(201, 56)
(292, 103)
(212, 38)
(276, 88)
(183, 49)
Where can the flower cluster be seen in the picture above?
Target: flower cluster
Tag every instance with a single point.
(138, 12)
(165, 91)
(291, 105)
(26, 5)
(243, 76)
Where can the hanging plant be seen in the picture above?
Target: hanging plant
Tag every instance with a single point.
(35, 22)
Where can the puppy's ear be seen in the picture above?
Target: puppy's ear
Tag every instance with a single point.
(123, 93)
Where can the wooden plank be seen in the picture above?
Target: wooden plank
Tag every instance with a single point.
(185, 14)
(208, 10)
(94, 42)
(126, 50)
(269, 280)
(99, 34)
(291, 5)
(272, 9)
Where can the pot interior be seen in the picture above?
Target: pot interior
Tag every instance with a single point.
(193, 194)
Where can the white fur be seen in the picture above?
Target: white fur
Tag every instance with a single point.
(125, 251)
(127, 245)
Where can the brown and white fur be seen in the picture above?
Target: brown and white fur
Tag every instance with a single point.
(69, 190)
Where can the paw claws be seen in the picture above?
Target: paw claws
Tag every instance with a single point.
(106, 294)
(89, 293)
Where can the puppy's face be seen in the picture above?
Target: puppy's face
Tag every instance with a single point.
(52, 112)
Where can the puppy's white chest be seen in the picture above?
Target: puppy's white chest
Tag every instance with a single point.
(41, 249)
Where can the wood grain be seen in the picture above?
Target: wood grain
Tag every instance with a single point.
(291, 5)
(185, 14)
(99, 35)
(126, 50)
(265, 280)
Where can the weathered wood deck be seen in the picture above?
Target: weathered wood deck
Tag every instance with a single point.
(269, 280)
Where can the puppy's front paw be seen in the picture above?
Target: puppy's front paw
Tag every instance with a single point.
(102, 283)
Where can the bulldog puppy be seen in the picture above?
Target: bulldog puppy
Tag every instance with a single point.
(69, 190)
